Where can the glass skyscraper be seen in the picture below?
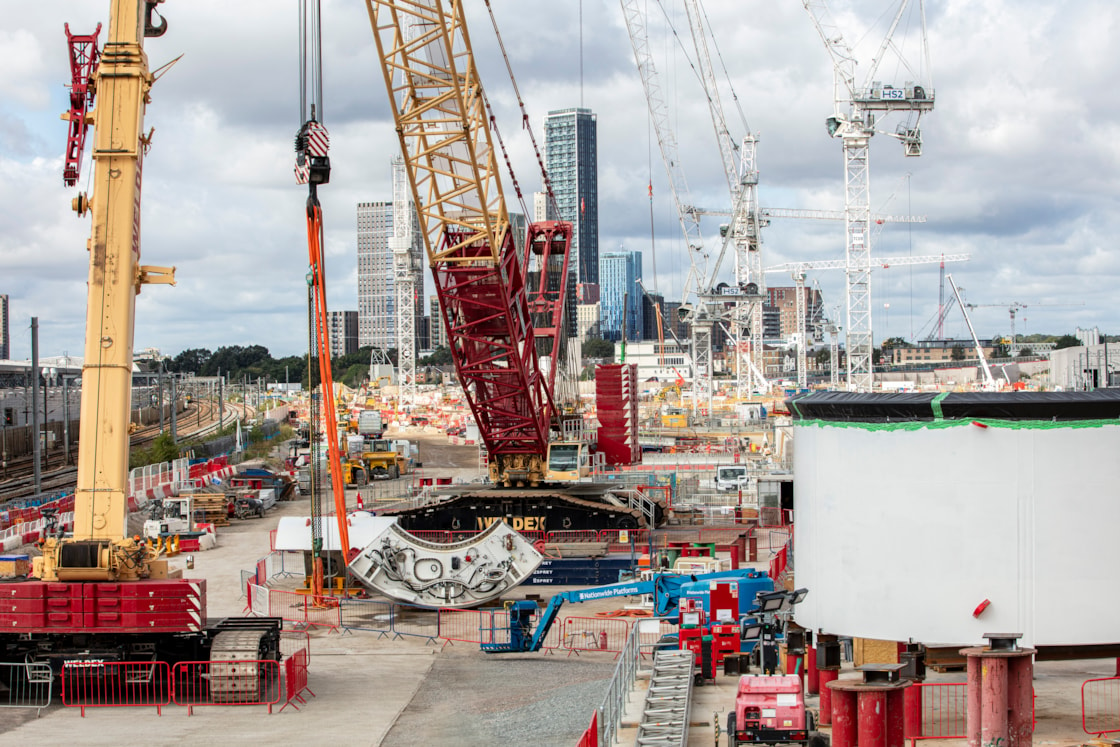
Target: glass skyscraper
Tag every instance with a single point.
(620, 296)
(571, 159)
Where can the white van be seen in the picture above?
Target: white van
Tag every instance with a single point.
(732, 478)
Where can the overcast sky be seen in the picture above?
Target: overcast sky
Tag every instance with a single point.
(1019, 165)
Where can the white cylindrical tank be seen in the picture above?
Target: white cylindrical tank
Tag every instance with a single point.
(905, 528)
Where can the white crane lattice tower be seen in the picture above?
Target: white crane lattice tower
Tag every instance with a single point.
(853, 122)
(700, 320)
(404, 285)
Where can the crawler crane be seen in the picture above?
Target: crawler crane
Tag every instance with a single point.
(100, 595)
(503, 312)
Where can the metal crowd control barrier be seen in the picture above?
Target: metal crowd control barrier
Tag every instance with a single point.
(27, 685)
(944, 711)
(295, 679)
(122, 684)
(293, 641)
(1100, 706)
(202, 683)
(595, 634)
(368, 615)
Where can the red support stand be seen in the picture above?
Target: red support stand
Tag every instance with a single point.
(874, 705)
(844, 722)
(824, 677)
(1000, 692)
(812, 684)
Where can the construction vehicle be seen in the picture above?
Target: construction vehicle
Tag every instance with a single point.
(80, 608)
(370, 424)
(502, 309)
(383, 459)
(770, 709)
(667, 591)
(169, 516)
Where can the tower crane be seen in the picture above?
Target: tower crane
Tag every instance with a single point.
(798, 270)
(700, 317)
(1013, 309)
(853, 122)
(740, 167)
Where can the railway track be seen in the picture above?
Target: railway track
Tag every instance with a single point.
(17, 474)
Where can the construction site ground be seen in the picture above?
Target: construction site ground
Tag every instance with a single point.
(371, 690)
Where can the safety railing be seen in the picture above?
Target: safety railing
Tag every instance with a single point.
(126, 684)
(27, 685)
(944, 711)
(204, 683)
(295, 679)
(1100, 706)
(299, 609)
(618, 691)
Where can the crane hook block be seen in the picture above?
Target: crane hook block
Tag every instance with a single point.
(313, 166)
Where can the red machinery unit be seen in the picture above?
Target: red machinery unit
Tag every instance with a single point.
(616, 403)
(770, 709)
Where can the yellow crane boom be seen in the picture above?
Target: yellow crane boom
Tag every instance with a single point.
(100, 548)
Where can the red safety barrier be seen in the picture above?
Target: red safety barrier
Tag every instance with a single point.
(595, 634)
(200, 683)
(120, 684)
(272, 540)
(1100, 706)
(573, 535)
(295, 679)
(590, 738)
(465, 626)
(944, 711)
(615, 543)
(779, 563)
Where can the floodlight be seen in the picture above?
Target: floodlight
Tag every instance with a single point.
(751, 632)
(797, 596)
(771, 601)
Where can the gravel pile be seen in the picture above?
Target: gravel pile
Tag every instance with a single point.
(477, 699)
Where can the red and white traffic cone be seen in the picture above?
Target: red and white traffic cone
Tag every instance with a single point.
(360, 506)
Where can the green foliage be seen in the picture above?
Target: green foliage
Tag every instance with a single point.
(957, 354)
(594, 347)
(1025, 352)
(1000, 349)
(895, 342)
(440, 357)
(823, 357)
(1066, 341)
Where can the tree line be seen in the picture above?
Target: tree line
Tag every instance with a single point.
(237, 362)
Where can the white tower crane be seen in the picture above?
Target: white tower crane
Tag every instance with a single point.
(700, 320)
(853, 121)
(404, 285)
(798, 270)
(741, 170)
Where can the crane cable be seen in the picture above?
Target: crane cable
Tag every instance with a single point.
(313, 168)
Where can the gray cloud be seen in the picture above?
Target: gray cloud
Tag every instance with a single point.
(1019, 162)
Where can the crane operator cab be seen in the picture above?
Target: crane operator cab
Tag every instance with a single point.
(568, 461)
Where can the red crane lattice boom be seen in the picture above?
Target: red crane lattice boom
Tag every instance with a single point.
(84, 57)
